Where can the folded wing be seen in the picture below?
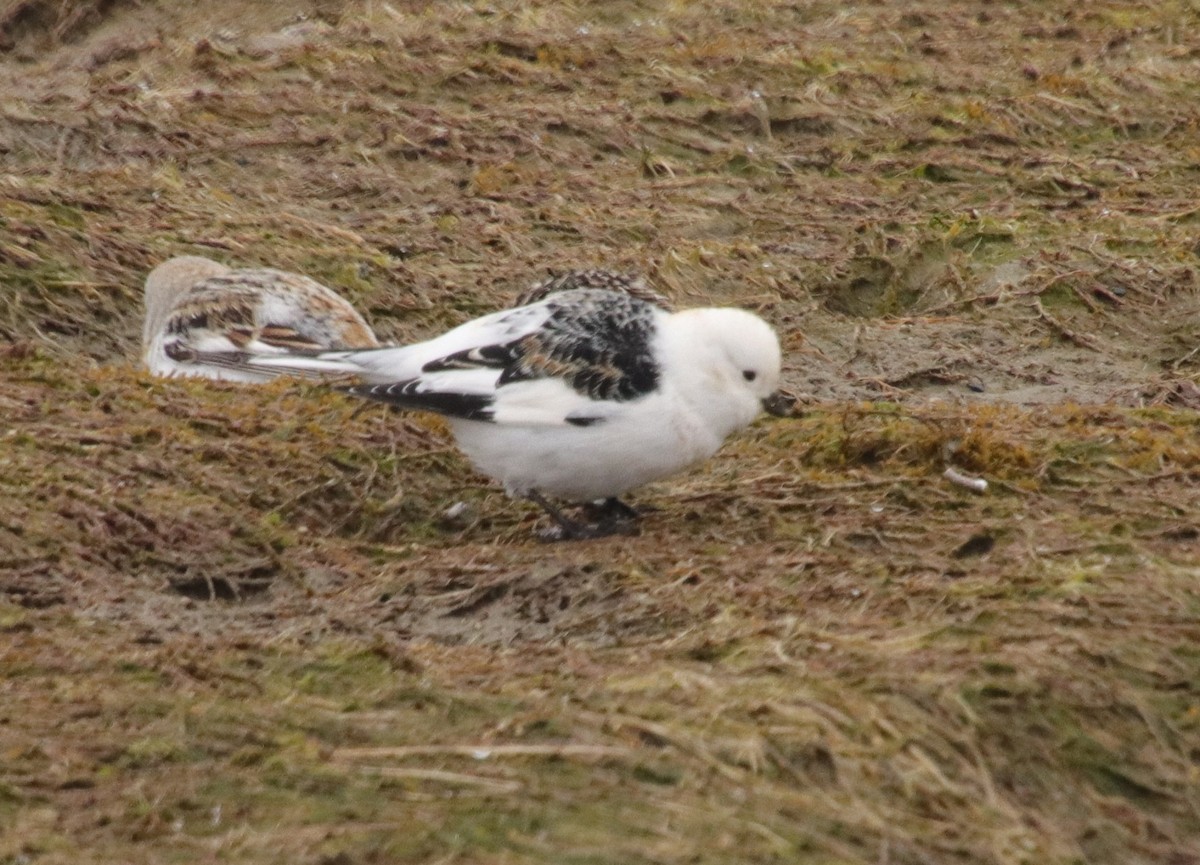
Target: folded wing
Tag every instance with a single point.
(570, 359)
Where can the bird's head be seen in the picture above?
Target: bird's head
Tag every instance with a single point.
(168, 282)
(728, 362)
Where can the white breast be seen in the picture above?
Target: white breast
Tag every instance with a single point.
(650, 439)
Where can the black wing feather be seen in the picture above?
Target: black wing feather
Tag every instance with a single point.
(408, 394)
(488, 356)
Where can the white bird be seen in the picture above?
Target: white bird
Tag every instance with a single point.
(196, 307)
(582, 396)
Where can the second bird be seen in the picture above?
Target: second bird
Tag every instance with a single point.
(197, 310)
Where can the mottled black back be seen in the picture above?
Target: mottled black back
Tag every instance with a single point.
(586, 280)
(599, 342)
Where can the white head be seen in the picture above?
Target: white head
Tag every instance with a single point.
(726, 361)
(167, 283)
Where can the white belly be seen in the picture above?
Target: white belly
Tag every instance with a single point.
(581, 464)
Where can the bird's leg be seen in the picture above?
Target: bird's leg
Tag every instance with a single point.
(612, 516)
(567, 528)
(572, 530)
(612, 510)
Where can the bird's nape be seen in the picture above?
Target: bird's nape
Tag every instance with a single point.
(167, 283)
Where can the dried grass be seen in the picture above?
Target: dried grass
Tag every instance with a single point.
(241, 625)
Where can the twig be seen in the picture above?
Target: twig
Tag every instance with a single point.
(218, 243)
(986, 299)
(483, 752)
(1063, 331)
(1066, 103)
(953, 475)
(323, 228)
(445, 777)
(1101, 291)
(1087, 301)
(1177, 364)
(661, 733)
(1059, 277)
(1178, 215)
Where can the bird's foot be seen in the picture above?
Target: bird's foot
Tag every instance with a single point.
(611, 510)
(575, 531)
(612, 517)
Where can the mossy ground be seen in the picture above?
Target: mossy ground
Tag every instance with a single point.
(239, 625)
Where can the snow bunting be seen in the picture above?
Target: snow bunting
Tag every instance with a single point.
(582, 396)
(198, 308)
(609, 280)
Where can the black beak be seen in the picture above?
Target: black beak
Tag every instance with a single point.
(780, 404)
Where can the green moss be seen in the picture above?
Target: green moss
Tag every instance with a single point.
(153, 751)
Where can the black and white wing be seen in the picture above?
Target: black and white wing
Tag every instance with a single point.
(579, 355)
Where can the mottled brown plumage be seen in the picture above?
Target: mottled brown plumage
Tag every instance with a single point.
(199, 311)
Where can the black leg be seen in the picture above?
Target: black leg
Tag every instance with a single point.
(573, 530)
(568, 526)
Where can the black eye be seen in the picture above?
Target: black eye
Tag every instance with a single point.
(749, 374)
